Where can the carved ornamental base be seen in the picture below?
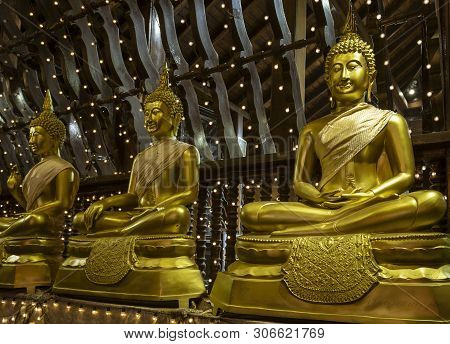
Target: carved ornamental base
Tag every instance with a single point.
(28, 263)
(151, 268)
(385, 303)
(395, 278)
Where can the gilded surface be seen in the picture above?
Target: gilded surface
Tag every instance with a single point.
(49, 188)
(335, 269)
(364, 156)
(346, 135)
(164, 179)
(110, 260)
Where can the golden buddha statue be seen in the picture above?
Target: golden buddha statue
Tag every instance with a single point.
(343, 251)
(46, 192)
(164, 179)
(366, 160)
(149, 233)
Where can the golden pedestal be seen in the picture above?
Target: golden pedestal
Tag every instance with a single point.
(163, 270)
(412, 284)
(29, 262)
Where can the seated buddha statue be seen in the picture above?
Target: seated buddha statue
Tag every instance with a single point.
(49, 188)
(358, 247)
(365, 158)
(164, 179)
(47, 191)
(121, 252)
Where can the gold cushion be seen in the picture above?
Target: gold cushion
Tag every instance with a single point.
(151, 246)
(406, 249)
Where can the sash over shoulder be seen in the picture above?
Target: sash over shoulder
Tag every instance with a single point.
(41, 174)
(347, 134)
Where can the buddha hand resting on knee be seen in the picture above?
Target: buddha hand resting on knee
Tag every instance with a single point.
(164, 179)
(366, 160)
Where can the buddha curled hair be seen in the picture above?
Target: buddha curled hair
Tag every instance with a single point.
(48, 120)
(164, 94)
(351, 42)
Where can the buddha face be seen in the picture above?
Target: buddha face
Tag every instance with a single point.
(158, 121)
(348, 78)
(40, 141)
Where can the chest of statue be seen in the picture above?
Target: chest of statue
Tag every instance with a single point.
(47, 195)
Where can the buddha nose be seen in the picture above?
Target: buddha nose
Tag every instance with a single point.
(345, 73)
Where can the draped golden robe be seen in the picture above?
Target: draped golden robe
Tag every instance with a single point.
(347, 134)
(154, 160)
(42, 174)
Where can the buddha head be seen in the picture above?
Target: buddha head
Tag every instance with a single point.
(350, 66)
(163, 109)
(47, 132)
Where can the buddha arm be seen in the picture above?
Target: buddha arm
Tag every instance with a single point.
(63, 195)
(401, 157)
(187, 182)
(305, 163)
(19, 197)
(127, 200)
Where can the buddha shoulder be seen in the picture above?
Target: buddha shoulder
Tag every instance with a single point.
(191, 154)
(397, 124)
(314, 127)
